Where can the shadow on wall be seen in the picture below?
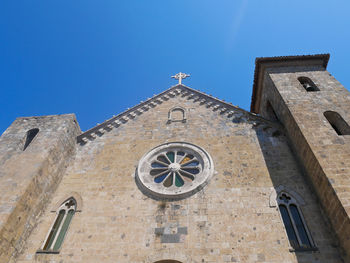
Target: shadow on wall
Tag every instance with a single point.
(287, 177)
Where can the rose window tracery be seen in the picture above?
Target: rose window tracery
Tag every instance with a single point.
(175, 169)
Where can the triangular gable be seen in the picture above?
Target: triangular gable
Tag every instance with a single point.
(222, 107)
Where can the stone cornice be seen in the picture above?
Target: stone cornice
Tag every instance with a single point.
(282, 61)
(220, 106)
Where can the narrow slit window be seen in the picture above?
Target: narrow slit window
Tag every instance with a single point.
(308, 84)
(271, 112)
(60, 227)
(30, 136)
(298, 235)
(337, 122)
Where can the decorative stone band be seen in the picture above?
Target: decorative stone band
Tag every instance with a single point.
(174, 170)
(222, 107)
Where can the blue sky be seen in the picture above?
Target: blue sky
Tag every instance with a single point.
(97, 58)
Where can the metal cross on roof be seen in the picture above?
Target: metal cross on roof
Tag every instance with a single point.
(180, 76)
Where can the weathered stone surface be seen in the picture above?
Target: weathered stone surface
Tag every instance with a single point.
(28, 178)
(323, 154)
(230, 218)
(234, 218)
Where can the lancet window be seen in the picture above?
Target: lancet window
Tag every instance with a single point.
(297, 232)
(60, 226)
(30, 136)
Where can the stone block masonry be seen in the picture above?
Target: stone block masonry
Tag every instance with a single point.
(323, 154)
(28, 178)
(229, 220)
(233, 217)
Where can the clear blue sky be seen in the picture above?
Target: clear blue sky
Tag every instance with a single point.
(97, 58)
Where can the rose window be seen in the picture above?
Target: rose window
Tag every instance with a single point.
(175, 169)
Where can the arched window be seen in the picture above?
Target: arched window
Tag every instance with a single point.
(337, 122)
(177, 114)
(297, 232)
(60, 226)
(30, 136)
(308, 84)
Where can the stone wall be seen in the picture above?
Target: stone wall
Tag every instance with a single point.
(229, 220)
(29, 177)
(324, 154)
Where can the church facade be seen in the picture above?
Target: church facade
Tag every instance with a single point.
(186, 177)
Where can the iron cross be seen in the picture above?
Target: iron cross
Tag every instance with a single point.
(180, 76)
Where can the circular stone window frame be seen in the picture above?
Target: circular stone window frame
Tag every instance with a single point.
(146, 181)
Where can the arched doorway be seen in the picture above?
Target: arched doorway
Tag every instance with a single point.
(167, 261)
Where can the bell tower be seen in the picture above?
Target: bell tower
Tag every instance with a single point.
(314, 108)
(34, 153)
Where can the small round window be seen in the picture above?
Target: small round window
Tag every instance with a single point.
(175, 169)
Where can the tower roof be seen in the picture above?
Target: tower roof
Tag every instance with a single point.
(283, 61)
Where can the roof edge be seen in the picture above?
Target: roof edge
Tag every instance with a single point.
(214, 103)
(281, 61)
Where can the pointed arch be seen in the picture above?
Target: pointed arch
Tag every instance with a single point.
(295, 225)
(30, 135)
(75, 195)
(279, 189)
(59, 228)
